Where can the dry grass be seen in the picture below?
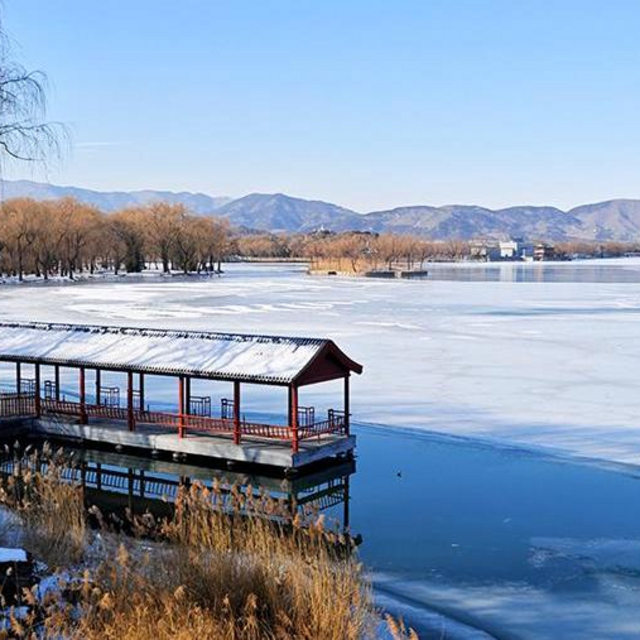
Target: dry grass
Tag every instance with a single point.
(399, 630)
(225, 566)
(51, 511)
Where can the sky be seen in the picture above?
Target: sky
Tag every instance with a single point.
(366, 103)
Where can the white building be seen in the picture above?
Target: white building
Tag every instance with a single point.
(516, 249)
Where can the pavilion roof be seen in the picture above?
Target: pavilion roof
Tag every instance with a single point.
(225, 356)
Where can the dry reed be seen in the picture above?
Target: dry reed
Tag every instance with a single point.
(51, 510)
(226, 565)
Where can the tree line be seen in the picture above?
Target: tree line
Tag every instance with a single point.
(357, 251)
(66, 237)
(352, 251)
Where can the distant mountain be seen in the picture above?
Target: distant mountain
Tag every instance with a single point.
(199, 203)
(611, 220)
(279, 212)
(467, 221)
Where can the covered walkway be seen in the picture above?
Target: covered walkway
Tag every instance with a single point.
(39, 349)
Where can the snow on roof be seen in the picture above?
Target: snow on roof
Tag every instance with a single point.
(268, 359)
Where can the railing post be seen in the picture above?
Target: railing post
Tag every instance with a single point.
(293, 418)
(181, 407)
(236, 413)
(347, 409)
(37, 396)
(130, 415)
(83, 397)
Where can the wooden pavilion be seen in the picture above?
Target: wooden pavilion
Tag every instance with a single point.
(46, 348)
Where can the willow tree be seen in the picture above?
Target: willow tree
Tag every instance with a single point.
(25, 134)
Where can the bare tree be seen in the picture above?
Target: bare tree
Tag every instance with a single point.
(24, 132)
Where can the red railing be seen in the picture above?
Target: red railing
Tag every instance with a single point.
(23, 405)
(259, 430)
(335, 424)
(13, 405)
(64, 407)
(209, 425)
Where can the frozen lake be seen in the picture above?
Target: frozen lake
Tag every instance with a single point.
(545, 364)
(510, 509)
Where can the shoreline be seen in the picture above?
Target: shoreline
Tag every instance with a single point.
(420, 274)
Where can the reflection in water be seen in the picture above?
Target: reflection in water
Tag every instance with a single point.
(118, 482)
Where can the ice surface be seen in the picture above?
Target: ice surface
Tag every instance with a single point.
(523, 611)
(552, 365)
(524, 365)
(603, 554)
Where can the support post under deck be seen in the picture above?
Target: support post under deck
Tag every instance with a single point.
(98, 386)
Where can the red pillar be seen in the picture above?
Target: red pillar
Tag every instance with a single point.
(83, 397)
(98, 386)
(187, 395)
(293, 418)
(131, 420)
(37, 397)
(141, 388)
(181, 407)
(347, 407)
(57, 382)
(236, 412)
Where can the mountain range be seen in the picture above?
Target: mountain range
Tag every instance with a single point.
(109, 201)
(611, 220)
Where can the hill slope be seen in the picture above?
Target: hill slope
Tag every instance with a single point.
(279, 212)
(109, 200)
(610, 220)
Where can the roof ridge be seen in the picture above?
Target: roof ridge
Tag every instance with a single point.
(159, 332)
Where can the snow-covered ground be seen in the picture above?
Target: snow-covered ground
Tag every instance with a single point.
(541, 364)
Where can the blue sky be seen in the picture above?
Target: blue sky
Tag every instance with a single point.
(366, 103)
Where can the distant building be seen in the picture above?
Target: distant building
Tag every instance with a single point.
(543, 251)
(322, 232)
(485, 251)
(516, 249)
